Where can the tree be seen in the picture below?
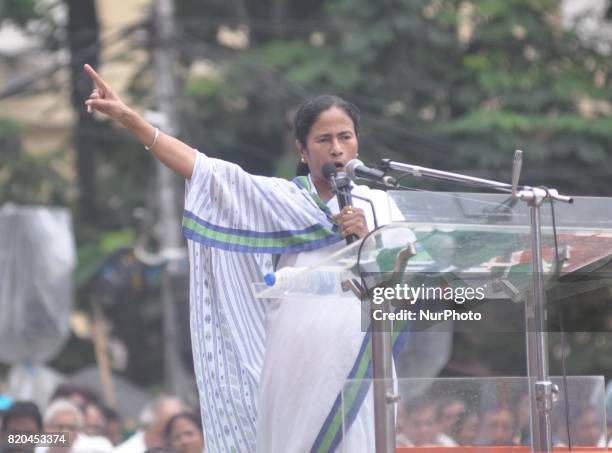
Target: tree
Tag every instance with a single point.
(452, 84)
(28, 178)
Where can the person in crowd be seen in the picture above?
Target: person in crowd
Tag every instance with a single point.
(184, 433)
(497, 426)
(587, 427)
(93, 438)
(63, 416)
(522, 430)
(419, 425)
(95, 420)
(114, 425)
(451, 409)
(153, 420)
(270, 374)
(23, 417)
(467, 429)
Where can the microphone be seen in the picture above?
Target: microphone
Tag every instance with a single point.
(341, 186)
(357, 169)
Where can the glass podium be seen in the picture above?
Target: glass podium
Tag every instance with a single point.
(464, 261)
(485, 414)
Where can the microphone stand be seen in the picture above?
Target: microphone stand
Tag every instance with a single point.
(542, 392)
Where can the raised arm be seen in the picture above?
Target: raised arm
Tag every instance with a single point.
(173, 153)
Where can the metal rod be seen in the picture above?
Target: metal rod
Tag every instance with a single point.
(540, 387)
(382, 363)
(525, 193)
(416, 170)
(385, 394)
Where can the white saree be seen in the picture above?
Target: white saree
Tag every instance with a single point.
(268, 373)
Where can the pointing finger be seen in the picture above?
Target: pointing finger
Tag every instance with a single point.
(99, 81)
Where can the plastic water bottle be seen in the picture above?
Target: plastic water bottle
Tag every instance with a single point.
(312, 282)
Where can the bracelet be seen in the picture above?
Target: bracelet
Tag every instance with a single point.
(154, 140)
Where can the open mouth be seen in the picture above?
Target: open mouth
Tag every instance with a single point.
(338, 165)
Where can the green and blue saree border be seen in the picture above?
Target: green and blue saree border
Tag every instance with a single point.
(331, 433)
(276, 242)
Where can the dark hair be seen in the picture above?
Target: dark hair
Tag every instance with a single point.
(22, 409)
(68, 390)
(110, 413)
(194, 418)
(419, 403)
(308, 113)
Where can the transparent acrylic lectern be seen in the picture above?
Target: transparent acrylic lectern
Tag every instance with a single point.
(489, 414)
(464, 259)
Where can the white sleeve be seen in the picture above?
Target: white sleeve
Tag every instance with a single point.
(229, 208)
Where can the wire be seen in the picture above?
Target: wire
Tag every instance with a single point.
(24, 87)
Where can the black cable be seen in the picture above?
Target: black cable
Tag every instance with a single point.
(359, 271)
(27, 85)
(367, 200)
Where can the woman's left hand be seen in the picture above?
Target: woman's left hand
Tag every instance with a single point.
(352, 221)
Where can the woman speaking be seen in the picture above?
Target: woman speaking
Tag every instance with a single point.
(270, 372)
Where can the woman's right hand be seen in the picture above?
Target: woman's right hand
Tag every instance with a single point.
(103, 99)
(173, 153)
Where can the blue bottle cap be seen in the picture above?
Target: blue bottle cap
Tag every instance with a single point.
(270, 279)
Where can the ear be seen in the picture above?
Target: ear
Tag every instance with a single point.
(301, 150)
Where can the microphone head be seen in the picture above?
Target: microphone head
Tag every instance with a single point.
(328, 170)
(350, 167)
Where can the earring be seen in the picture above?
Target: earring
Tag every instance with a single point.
(303, 160)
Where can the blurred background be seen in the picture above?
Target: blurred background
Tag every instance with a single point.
(93, 280)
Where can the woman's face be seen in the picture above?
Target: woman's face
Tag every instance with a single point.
(186, 437)
(332, 138)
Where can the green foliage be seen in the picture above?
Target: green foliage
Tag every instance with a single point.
(95, 247)
(29, 178)
(202, 87)
(19, 11)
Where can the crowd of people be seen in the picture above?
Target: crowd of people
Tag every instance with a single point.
(451, 421)
(166, 424)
